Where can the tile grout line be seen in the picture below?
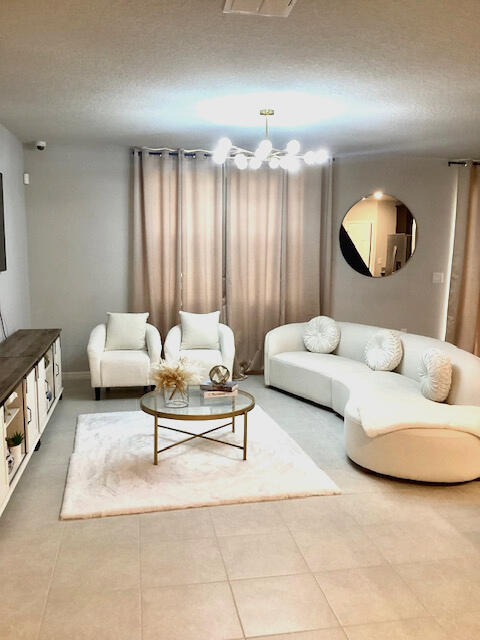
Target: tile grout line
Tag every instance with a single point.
(387, 562)
(365, 624)
(310, 571)
(140, 591)
(50, 581)
(226, 574)
(352, 493)
(60, 543)
(399, 575)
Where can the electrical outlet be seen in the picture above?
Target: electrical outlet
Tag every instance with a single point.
(437, 277)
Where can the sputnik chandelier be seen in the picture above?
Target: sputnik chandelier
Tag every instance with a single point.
(288, 158)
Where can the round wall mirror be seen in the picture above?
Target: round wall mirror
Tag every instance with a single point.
(378, 235)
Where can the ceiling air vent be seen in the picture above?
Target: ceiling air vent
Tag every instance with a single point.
(274, 8)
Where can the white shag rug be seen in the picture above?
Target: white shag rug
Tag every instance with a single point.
(111, 469)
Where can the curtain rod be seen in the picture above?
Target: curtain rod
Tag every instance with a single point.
(464, 163)
(171, 152)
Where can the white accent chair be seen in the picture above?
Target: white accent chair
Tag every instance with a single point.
(204, 358)
(122, 368)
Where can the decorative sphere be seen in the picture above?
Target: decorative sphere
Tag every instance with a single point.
(219, 374)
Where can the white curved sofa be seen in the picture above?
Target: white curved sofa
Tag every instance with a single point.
(439, 453)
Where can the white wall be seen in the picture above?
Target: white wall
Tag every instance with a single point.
(407, 298)
(78, 219)
(14, 284)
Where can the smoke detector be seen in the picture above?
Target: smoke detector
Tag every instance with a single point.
(270, 8)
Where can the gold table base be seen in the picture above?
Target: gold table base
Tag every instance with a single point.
(202, 435)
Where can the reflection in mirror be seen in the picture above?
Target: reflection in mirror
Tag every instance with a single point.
(378, 235)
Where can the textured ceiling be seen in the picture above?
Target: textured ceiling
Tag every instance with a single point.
(405, 73)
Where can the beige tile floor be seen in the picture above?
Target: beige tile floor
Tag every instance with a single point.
(385, 560)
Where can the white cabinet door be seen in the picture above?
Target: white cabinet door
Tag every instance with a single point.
(57, 365)
(3, 460)
(41, 395)
(32, 411)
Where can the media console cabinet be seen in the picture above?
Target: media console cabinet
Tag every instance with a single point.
(30, 387)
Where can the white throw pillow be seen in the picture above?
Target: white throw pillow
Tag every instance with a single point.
(435, 371)
(199, 330)
(322, 335)
(126, 331)
(383, 351)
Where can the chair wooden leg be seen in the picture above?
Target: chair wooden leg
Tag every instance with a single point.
(97, 393)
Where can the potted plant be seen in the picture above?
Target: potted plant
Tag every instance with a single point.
(15, 447)
(174, 378)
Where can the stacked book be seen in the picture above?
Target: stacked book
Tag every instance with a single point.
(219, 390)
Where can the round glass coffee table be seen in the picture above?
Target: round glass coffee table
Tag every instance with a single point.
(199, 408)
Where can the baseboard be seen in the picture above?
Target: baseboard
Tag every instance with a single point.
(76, 375)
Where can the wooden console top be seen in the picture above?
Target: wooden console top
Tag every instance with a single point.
(19, 353)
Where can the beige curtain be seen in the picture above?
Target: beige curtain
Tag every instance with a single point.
(254, 260)
(177, 236)
(254, 244)
(308, 245)
(278, 246)
(463, 316)
(155, 241)
(201, 235)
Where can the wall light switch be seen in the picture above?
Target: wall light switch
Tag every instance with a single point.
(437, 277)
(26, 178)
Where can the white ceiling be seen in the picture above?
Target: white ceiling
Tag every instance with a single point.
(404, 73)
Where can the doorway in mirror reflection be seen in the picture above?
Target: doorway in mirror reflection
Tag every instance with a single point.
(378, 235)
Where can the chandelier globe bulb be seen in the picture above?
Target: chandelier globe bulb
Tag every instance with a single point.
(309, 158)
(241, 161)
(293, 147)
(321, 156)
(254, 162)
(274, 162)
(263, 149)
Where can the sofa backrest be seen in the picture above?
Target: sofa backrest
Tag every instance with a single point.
(353, 338)
(465, 387)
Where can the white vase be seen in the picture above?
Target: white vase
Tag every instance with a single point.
(17, 455)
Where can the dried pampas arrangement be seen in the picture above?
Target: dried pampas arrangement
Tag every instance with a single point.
(176, 375)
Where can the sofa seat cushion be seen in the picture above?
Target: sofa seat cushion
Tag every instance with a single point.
(347, 391)
(203, 359)
(125, 368)
(387, 402)
(362, 392)
(310, 374)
